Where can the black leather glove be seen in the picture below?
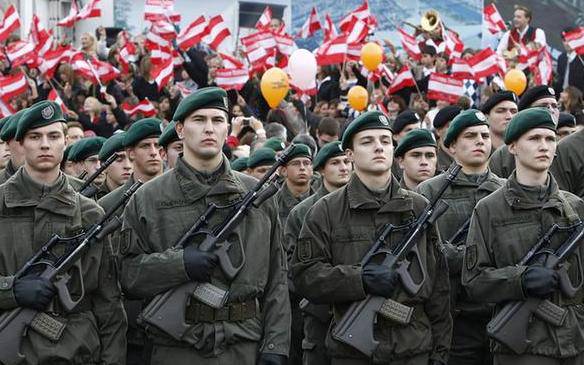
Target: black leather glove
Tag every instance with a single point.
(272, 359)
(540, 282)
(33, 292)
(199, 264)
(379, 280)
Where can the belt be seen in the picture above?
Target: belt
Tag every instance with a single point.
(199, 312)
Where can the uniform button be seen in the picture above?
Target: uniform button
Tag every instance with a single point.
(271, 346)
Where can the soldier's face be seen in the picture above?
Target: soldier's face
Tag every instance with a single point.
(407, 129)
(120, 170)
(500, 116)
(260, 171)
(171, 152)
(298, 171)
(16, 152)
(337, 171)
(419, 164)
(146, 157)
(43, 147)
(203, 133)
(74, 134)
(472, 147)
(565, 131)
(551, 104)
(91, 165)
(372, 151)
(534, 150)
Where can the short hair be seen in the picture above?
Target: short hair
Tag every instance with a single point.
(328, 126)
(276, 130)
(307, 140)
(525, 9)
(74, 124)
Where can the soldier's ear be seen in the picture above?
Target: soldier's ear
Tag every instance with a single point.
(349, 154)
(179, 126)
(512, 147)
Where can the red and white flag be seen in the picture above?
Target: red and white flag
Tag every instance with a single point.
(90, 10)
(333, 51)
(358, 31)
(575, 40)
(5, 109)
(410, 45)
(20, 52)
(54, 96)
(311, 25)
(10, 23)
(163, 73)
(81, 66)
(217, 31)
(362, 13)
(543, 71)
(104, 70)
(231, 79)
(230, 62)
(144, 107)
(193, 34)
(527, 58)
(444, 87)
(461, 70)
(285, 44)
(493, 19)
(154, 40)
(160, 54)
(257, 56)
(184, 91)
(330, 31)
(52, 58)
(382, 72)
(263, 39)
(265, 19)
(454, 46)
(128, 53)
(71, 18)
(39, 36)
(160, 10)
(164, 29)
(403, 79)
(484, 63)
(12, 85)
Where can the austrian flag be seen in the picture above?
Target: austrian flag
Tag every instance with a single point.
(265, 19)
(217, 31)
(311, 25)
(230, 79)
(54, 96)
(12, 86)
(493, 19)
(193, 34)
(163, 73)
(403, 79)
(20, 52)
(10, 23)
(575, 40)
(444, 87)
(144, 107)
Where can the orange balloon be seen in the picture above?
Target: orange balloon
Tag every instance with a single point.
(371, 55)
(358, 97)
(515, 81)
(274, 86)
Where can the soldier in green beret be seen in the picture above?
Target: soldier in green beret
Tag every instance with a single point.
(335, 168)
(297, 186)
(253, 326)
(260, 161)
(240, 164)
(340, 228)
(275, 143)
(4, 150)
(170, 145)
(140, 142)
(417, 157)
(507, 224)
(8, 134)
(499, 109)
(38, 202)
(119, 172)
(85, 156)
(566, 125)
(469, 142)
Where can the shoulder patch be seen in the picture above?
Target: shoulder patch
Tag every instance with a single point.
(304, 250)
(471, 257)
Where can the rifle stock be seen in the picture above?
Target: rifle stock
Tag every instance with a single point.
(86, 189)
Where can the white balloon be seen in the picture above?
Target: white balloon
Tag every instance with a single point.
(302, 68)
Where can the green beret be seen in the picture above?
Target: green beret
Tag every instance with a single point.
(534, 94)
(85, 148)
(142, 129)
(168, 135)
(275, 143)
(39, 115)
(329, 150)
(445, 115)
(369, 120)
(205, 98)
(466, 118)
(113, 144)
(415, 139)
(8, 130)
(3, 121)
(498, 98)
(404, 119)
(239, 164)
(528, 119)
(565, 120)
(300, 150)
(261, 157)
(67, 151)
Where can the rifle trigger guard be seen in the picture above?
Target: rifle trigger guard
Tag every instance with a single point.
(227, 266)
(64, 295)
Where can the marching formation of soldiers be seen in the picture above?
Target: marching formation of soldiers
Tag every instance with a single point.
(280, 257)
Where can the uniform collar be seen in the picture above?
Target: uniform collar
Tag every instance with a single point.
(518, 198)
(395, 199)
(23, 191)
(489, 182)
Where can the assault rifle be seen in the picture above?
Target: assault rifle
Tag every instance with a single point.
(89, 190)
(14, 323)
(356, 326)
(166, 310)
(450, 247)
(509, 326)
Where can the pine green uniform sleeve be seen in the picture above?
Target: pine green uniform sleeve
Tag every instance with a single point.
(7, 299)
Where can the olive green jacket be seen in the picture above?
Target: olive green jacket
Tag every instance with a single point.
(8, 171)
(108, 201)
(157, 216)
(502, 163)
(337, 232)
(444, 160)
(287, 201)
(504, 227)
(30, 214)
(568, 165)
(462, 195)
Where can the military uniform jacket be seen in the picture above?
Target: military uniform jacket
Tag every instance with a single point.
(504, 226)
(462, 195)
(162, 210)
(287, 201)
(338, 231)
(29, 215)
(7, 172)
(444, 160)
(502, 162)
(108, 201)
(568, 165)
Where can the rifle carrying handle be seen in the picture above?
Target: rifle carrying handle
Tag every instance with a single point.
(64, 295)
(410, 286)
